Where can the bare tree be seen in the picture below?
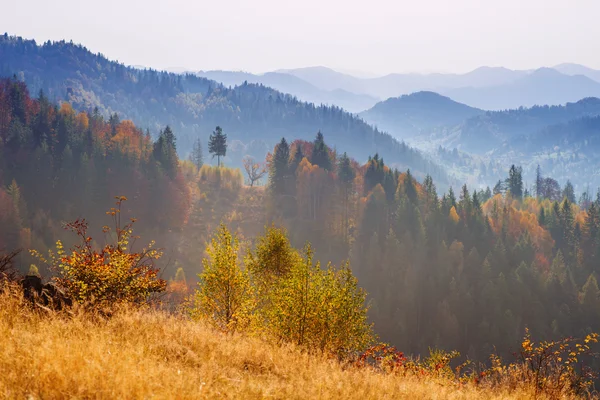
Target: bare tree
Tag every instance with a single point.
(255, 170)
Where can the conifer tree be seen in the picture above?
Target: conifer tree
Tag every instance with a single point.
(569, 192)
(320, 153)
(514, 182)
(279, 169)
(197, 155)
(217, 144)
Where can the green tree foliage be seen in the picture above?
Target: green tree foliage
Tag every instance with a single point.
(514, 183)
(320, 308)
(217, 144)
(279, 169)
(569, 192)
(288, 297)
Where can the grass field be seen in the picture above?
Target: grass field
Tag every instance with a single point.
(152, 354)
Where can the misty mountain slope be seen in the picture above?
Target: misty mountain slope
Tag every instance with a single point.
(543, 86)
(495, 129)
(577, 69)
(417, 113)
(253, 114)
(581, 136)
(290, 84)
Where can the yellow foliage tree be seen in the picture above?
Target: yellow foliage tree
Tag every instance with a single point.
(320, 309)
(224, 295)
(453, 215)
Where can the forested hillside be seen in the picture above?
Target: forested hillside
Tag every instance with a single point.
(495, 129)
(59, 165)
(418, 113)
(255, 115)
(469, 270)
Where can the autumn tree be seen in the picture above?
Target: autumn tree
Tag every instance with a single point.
(320, 309)
(217, 144)
(254, 170)
(224, 296)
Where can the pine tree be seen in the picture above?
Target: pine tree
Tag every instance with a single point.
(279, 169)
(569, 192)
(320, 153)
(514, 182)
(499, 188)
(197, 155)
(217, 144)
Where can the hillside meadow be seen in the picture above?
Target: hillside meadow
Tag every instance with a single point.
(141, 354)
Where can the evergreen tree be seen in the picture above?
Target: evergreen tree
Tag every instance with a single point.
(278, 168)
(499, 188)
(197, 155)
(514, 182)
(320, 153)
(217, 144)
(569, 192)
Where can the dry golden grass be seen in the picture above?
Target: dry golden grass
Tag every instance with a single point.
(151, 354)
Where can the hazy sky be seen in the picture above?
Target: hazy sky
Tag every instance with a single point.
(379, 36)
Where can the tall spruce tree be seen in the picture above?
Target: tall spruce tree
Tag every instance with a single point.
(279, 169)
(217, 144)
(320, 154)
(514, 182)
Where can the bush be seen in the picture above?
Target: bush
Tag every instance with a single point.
(111, 275)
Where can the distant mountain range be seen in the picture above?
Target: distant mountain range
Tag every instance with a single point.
(491, 88)
(302, 89)
(255, 117)
(564, 139)
(544, 86)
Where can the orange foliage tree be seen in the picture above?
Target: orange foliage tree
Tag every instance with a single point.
(111, 275)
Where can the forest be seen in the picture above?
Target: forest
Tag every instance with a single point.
(467, 270)
(464, 271)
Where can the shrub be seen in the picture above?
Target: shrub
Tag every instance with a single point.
(108, 276)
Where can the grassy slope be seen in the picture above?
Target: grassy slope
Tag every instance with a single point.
(150, 354)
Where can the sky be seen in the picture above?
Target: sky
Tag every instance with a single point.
(371, 37)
